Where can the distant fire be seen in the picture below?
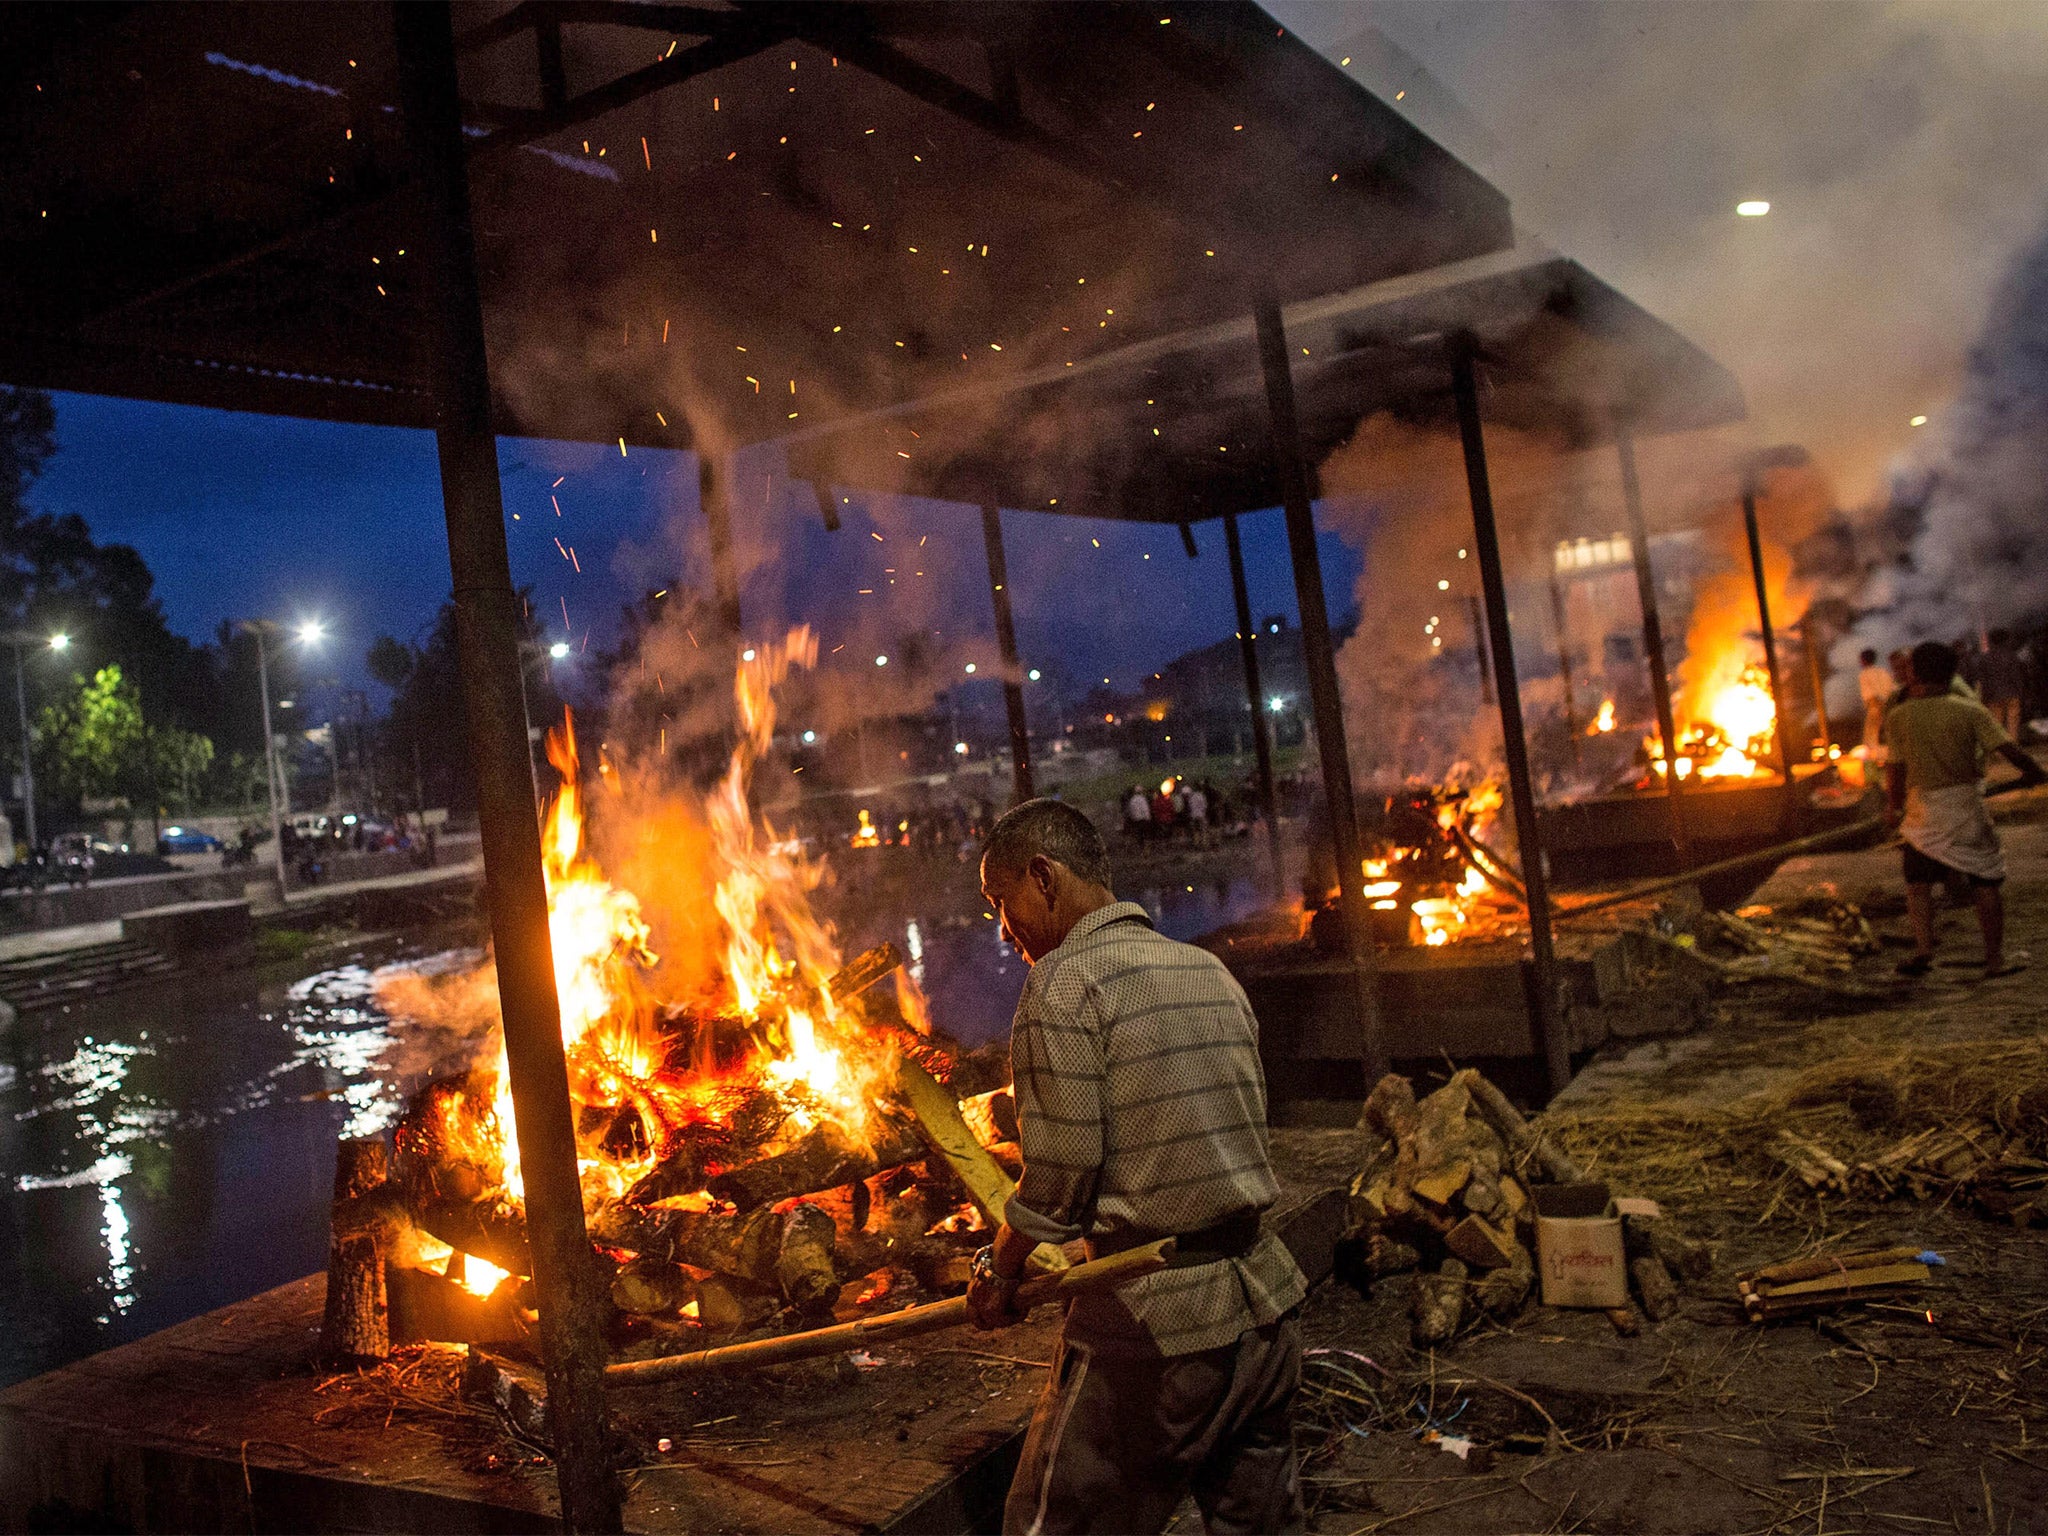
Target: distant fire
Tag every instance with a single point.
(1735, 737)
(1603, 722)
(1427, 864)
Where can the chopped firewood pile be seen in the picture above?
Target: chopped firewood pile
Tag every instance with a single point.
(1451, 1194)
(1813, 944)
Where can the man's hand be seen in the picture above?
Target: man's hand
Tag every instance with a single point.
(992, 1292)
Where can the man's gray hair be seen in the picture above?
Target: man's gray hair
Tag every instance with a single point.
(1052, 828)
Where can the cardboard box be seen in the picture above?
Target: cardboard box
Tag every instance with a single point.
(1579, 1256)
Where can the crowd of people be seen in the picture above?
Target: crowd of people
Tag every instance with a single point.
(2000, 674)
(1192, 811)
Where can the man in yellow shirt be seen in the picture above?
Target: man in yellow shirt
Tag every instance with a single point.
(1937, 744)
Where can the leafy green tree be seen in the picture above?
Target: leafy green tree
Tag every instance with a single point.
(94, 742)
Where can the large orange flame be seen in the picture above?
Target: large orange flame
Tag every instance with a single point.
(777, 956)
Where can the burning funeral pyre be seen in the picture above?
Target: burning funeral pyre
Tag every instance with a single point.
(742, 1151)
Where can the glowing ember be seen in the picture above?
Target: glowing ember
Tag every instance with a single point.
(865, 835)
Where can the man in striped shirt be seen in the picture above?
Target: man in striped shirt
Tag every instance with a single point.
(1141, 1108)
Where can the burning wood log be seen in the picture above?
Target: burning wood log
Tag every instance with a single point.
(747, 1245)
(356, 1324)
(650, 1287)
(823, 1158)
(492, 1227)
(1097, 1275)
(862, 972)
(804, 1267)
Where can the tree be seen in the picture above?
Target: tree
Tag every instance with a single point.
(93, 743)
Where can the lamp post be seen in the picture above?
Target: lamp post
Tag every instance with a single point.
(20, 639)
(309, 633)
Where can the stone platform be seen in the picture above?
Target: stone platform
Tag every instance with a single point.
(222, 1423)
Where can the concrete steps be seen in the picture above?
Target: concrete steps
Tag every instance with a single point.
(79, 975)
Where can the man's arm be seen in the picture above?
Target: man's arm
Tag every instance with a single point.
(2031, 772)
(1895, 792)
(1058, 1069)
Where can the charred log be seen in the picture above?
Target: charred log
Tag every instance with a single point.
(804, 1267)
(492, 1228)
(650, 1287)
(821, 1159)
(356, 1324)
(747, 1245)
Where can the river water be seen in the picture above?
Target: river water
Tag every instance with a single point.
(168, 1151)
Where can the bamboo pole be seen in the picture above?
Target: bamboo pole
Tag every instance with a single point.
(1096, 1275)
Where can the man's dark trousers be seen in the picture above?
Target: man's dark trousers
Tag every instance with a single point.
(1115, 1444)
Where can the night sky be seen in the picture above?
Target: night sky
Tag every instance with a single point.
(244, 515)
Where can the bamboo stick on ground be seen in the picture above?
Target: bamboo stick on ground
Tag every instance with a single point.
(1096, 1275)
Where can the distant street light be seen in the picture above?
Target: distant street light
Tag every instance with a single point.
(1917, 421)
(881, 661)
(559, 650)
(970, 669)
(1752, 208)
(309, 632)
(960, 747)
(20, 640)
(1034, 674)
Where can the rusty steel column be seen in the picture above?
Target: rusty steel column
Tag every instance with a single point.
(1326, 705)
(1006, 639)
(487, 627)
(1653, 635)
(1763, 615)
(1548, 1027)
(1255, 693)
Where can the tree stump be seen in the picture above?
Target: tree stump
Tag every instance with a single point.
(356, 1326)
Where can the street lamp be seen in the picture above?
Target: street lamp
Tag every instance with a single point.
(20, 639)
(559, 650)
(310, 632)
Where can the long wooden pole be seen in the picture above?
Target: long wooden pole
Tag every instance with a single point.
(1095, 1275)
(1653, 634)
(1763, 617)
(1255, 694)
(1006, 641)
(1507, 687)
(1325, 703)
(487, 629)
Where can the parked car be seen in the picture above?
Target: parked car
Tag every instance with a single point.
(186, 840)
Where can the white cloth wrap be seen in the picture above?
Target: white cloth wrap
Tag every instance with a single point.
(1952, 827)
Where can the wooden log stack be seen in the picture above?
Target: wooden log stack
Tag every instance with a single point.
(1445, 1196)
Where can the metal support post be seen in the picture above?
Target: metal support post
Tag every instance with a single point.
(1653, 634)
(487, 628)
(1564, 665)
(1006, 638)
(1262, 740)
(1477, 611)
(1326, 705)
(1810, 640)
(28, 768)
(273, 771)
(1763, 616)
(1549, 1028)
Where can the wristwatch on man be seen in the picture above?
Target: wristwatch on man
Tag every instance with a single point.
(984, 1270)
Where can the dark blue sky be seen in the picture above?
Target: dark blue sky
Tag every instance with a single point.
(241, 515)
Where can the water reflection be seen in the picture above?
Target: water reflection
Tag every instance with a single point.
(164, 1153)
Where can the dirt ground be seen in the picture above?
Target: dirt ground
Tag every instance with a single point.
(1921, 1412)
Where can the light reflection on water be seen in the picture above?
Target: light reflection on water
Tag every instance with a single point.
(163, 1153)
